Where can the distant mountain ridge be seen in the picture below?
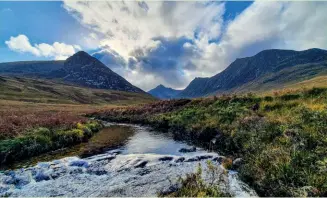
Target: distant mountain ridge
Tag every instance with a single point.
(163, 92)
(244, 73)
(30, 68)
(79, 69)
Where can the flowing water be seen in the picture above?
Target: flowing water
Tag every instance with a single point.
(120, 160)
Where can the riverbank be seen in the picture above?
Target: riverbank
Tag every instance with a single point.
(281, 138)
(41, 140)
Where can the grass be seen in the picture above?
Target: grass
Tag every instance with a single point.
(281, 137)
(298, 76)
(193, 185)
(16, 118)
(55, 92)
(41, 140)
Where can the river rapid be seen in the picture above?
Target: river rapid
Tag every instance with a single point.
(141, 162)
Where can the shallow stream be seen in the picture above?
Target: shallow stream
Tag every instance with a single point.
(120, 160)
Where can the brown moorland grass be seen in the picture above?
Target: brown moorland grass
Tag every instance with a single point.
(16, 118)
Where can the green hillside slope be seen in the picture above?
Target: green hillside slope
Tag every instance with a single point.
(45, 91)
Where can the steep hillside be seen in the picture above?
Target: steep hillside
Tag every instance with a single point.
(244, 71)
(285, 78)
(163, 92)
(46, 91)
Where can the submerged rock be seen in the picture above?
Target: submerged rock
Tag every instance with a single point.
(40, 176)
(141, 164)
(187, 150)
(79, 163)
(181, 159)
(203, 157)
(166, 158)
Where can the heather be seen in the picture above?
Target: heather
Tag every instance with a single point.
(281, 137)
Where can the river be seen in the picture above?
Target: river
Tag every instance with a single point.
(120, 160)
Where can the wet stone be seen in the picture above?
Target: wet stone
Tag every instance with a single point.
(166, 158)
(219, 159)
(144, 172)
(44, 165)
(203, 157)
(76, 171)
(193, 159)
(141, 165)
(181, 159)
(79, 163)
(97, 171)
(187, 150)
(41, 176)
(3, 189)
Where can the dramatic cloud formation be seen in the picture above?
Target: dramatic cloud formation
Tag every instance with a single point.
(172, 42)
(150, 36)
(59, 51)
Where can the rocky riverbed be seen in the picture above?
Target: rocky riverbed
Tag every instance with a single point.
(116, 172)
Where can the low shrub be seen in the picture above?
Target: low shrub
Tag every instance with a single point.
(287, 97)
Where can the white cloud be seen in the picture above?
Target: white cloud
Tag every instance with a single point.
(130, 25)
(59, 51)
(22, 44)
(130, 29)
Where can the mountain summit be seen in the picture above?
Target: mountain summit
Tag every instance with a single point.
(85, 70)
(163, 92)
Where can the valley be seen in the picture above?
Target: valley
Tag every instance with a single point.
(81, 123)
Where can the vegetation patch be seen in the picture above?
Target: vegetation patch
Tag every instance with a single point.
(40, 140)
(281, 139)
(193, 184)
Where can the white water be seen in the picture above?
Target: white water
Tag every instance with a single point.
(140, 168)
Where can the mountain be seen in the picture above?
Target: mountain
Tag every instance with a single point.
(79, 69)
(83, 69)
(266, 70)
(55, 92)
(163, 92)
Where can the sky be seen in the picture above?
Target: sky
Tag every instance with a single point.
(157, 42)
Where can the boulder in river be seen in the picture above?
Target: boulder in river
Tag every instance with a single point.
(237, 163)
(219, 159)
